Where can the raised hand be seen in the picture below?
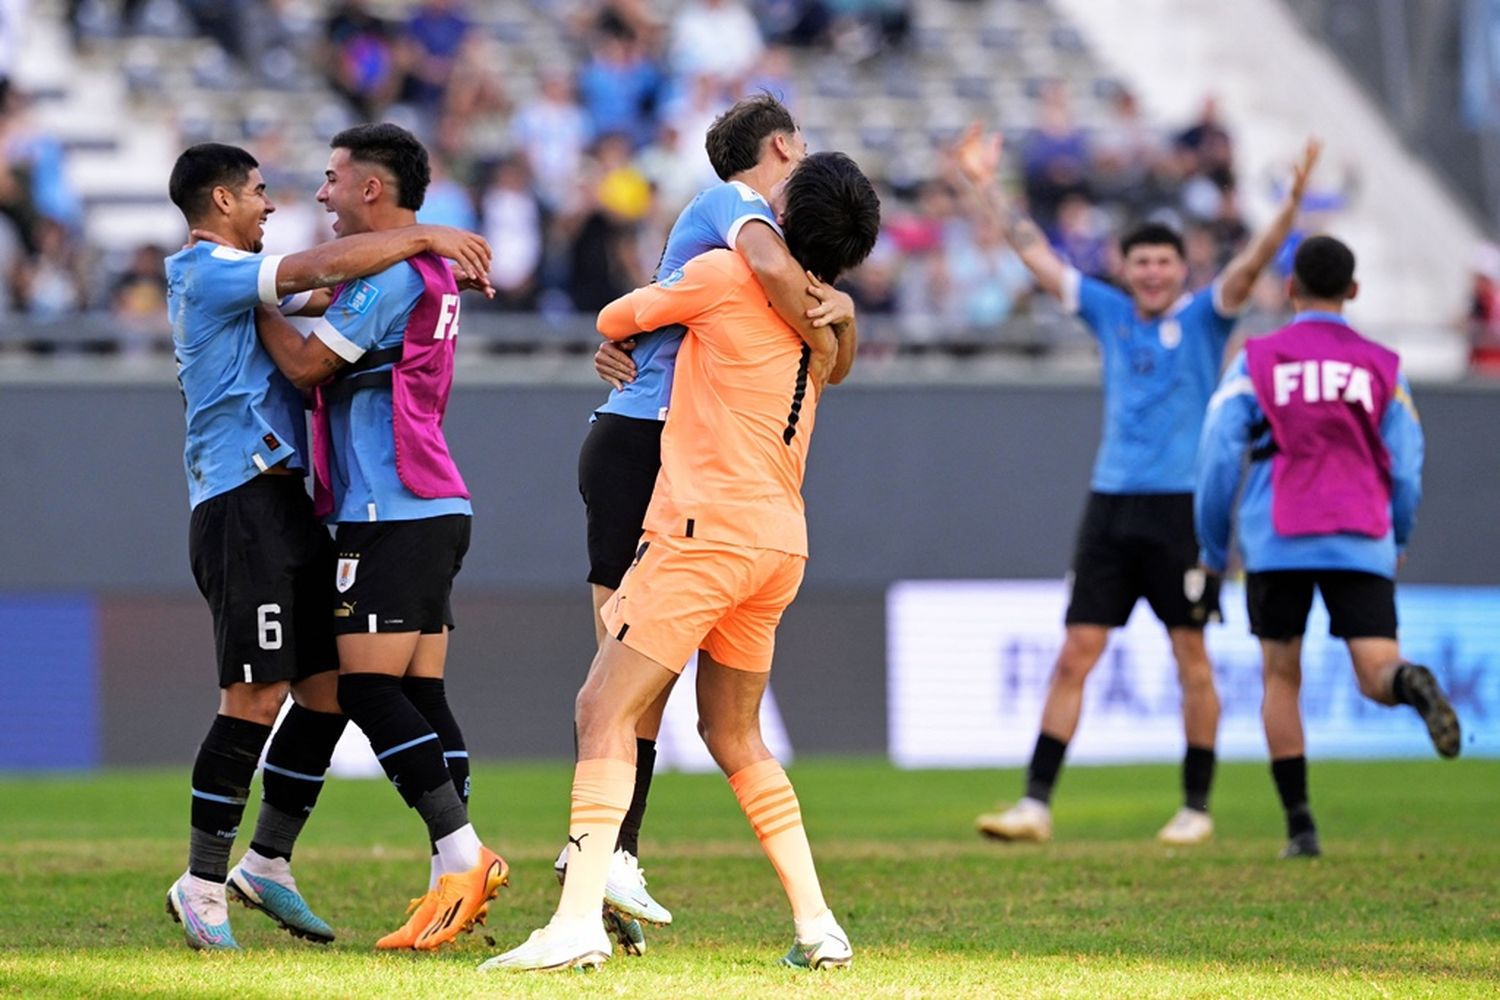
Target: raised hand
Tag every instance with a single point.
(978, 155)
(1303, 168)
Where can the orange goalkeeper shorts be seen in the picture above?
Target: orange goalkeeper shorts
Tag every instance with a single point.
(683, 594)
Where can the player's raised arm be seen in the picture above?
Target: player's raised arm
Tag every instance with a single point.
(1240, 273)
(978, 159)
(680, 297)
(364, 254)
(785, 284)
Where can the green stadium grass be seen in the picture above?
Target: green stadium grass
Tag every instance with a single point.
(1405, 902)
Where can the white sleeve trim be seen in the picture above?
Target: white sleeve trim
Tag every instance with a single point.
(295, 303)
(738, 224)
(1069, 292)
(1218, 301)
(1240, 385)
(265, 283)
(337, 342)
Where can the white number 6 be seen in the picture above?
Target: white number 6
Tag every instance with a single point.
(270, 628)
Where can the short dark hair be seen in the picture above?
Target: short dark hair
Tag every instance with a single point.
(832, 214)
(1323, 268)
(735, 137)
(395, 149)
(202, 168)
(1152, 234)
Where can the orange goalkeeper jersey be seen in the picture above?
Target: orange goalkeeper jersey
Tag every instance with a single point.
(734, 449)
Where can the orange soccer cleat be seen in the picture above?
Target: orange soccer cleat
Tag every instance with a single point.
(420, 914)
(463, 899)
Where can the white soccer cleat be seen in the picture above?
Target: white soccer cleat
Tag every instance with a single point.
(1188, 827)
(826, 947)
(565, 943)
(200, 907)
(626, 891)
(1028, 819)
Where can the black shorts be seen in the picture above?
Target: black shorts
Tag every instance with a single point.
(1140, 545)
(617, 468)
(265, 563)
(1360, 605)
(397, 576)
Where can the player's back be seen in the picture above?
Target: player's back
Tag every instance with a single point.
(734, 450)
(243, 416)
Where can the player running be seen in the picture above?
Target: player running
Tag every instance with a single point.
(381, 359)
(1330, 496)
(259, 556)
(1161, 350)
(753, 147)
(721, 558)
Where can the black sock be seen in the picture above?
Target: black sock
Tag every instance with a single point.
(296, 762)
(406, 747)
(1046, 761)
(630, 826)
(1401, 687)
(1197, 777)
(431, 699)
(1290, 774)
(221, 784)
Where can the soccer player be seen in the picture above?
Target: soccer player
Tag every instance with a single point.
(753, 147)
(1161, 349)
(380, 362)
(260, 557)
(1330, 496)
(722, 557)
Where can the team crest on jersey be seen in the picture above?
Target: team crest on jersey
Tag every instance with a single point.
(1170, 333)
(671, 279)
(359, 295)
(344, 579)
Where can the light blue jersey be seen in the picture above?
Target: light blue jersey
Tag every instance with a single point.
(1158, 376)
(712, 221)
(1235, 423)
(371, 314)
(243, 416)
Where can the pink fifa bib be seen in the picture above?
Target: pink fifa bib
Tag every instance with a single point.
(420, 382)
(1324, 390)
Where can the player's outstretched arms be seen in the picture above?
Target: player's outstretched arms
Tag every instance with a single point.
(613, 363)
(364, 254)
(978, 158)
(1241, 272)
(305, 361)
(785, 284)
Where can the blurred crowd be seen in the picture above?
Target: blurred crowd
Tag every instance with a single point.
(576, 181)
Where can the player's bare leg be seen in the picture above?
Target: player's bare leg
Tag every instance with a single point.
(1386, 678)
(1031, 818)
(1200, 720)
(729, 720)
(1281, 713)
(620, 686)
(628, 902)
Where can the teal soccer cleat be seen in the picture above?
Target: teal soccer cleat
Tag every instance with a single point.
(274, 893)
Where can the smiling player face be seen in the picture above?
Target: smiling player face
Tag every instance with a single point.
(1155, 275)
(249, 211)
(343, 193)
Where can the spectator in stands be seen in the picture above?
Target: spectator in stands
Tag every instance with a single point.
(361, 58)
(987, 281)
(1484, 311)
(1125, 149)
(863, 29)
(715, 38)
(1055, 156)
(802, 23)
(1081, 237)
(551, 131)
(677, 170)
(448, 203)
(433, 37)
(53, 284)
(621, 85)
(475, 127)
(138, 299)
(513, 226)
(603, 264)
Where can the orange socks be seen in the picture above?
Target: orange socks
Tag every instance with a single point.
(771, 805)
(601, 793)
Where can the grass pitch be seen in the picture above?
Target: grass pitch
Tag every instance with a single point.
(1405, 902)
